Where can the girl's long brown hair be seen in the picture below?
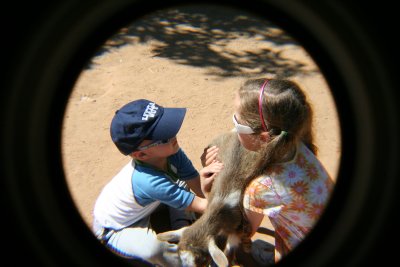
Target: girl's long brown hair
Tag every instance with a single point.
(287, 115)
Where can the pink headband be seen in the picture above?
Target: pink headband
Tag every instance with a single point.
(260, 99)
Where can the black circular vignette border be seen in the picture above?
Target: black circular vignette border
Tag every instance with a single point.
(44, 58)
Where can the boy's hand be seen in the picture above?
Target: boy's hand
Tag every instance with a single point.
(209, 155)
(207, 175)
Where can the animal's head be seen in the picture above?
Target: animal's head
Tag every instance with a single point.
(196, 251)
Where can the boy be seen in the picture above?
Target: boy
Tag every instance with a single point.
(158, 173)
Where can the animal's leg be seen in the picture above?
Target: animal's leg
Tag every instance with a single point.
(245, 238)
(246, 244)
(233, 243)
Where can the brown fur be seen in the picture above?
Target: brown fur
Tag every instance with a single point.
(288, 119)
(220, 220)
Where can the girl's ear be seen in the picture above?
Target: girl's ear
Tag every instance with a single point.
(265, 137)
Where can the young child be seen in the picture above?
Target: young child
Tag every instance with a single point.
(288, 184)
(159, 172)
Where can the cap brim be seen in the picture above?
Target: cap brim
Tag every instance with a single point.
(169, 124)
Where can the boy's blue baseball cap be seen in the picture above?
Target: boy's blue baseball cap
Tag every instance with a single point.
(142, 119)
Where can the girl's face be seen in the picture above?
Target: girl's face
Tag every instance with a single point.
(251, 142)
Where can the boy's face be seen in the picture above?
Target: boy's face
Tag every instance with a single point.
(161, 150)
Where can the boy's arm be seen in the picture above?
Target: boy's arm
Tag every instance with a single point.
(198, 205)
(195, 186)
(209, 155)
(201, 185)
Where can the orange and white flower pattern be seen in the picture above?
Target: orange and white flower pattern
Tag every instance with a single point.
(293, 195)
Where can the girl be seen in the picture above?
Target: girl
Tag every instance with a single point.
(288, 184)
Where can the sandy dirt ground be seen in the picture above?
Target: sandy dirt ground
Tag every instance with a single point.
(187, 57)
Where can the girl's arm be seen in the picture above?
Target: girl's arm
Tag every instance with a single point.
(255, 220)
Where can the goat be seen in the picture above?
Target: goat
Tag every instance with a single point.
(223, 225)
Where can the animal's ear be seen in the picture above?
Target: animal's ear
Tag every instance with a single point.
(171, 236)
(217, 254)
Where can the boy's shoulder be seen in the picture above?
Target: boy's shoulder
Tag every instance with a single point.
(146, 171)
(179, 156)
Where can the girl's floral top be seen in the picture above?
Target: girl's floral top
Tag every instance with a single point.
(293, 196)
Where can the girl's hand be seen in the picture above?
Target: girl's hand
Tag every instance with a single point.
(207, 175)
(209, 155)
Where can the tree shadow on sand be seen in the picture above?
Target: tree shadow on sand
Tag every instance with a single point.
(204, 36)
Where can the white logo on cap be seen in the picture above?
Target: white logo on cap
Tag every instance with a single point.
(150, 111)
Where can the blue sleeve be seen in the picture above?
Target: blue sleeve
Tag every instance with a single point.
(183, 165)
(150, 187)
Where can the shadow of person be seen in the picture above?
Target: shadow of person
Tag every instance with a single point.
(262, 254)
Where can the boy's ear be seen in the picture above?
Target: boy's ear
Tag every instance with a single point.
(140, 155)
